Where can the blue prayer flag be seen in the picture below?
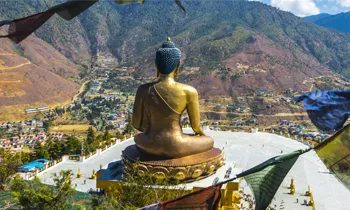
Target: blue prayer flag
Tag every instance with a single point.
(327, 109)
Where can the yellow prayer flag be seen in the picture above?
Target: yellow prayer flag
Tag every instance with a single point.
(335, 154)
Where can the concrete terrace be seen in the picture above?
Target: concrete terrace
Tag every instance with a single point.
(242, 151)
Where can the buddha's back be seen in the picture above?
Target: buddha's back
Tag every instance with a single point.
(158, 107)
(163, 104)
(164, 108)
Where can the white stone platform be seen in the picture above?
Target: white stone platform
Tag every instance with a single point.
(242, 150)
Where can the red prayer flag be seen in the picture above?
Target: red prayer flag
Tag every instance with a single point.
(204, 199)
(21, 28)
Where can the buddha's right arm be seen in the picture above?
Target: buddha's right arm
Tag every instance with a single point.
(137, 111)
(193, 112)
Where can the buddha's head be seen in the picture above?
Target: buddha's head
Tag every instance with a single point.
(168, 59)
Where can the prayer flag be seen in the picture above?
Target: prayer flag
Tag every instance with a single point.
(71, 9)
(204, 199)
(265, 178)
(328, 110)
(19, 29)
(335, 154)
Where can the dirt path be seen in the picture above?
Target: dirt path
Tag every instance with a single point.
(8, 54)
(290, 114)
(281, 114)
(81, 90)
(2, 67)
(74, 98)
(10, 81)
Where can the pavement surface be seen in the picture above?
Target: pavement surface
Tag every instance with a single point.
(242, 151)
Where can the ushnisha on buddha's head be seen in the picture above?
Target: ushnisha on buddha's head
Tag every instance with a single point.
(168, 59)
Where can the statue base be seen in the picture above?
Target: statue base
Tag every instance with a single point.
(185, 169)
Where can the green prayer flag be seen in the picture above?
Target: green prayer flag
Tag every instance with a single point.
(71, 9)
(265, 178)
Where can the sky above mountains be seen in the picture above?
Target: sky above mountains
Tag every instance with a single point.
(310, 7)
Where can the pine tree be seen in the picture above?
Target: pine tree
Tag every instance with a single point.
(107, 137)
(129, 128)
(90, 136)
(9, 165)
(72, 146)
(41, 151)
(91, 140)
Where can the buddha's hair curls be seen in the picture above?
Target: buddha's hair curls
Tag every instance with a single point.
(167, 57)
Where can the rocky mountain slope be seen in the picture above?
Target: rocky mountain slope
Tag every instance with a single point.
(238, 45)
(128, 31)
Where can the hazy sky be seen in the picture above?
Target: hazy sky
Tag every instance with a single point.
(310, 7)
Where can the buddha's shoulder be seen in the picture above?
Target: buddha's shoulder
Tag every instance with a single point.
(188, 89)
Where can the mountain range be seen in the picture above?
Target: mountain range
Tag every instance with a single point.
(338, 22)
(239, 46)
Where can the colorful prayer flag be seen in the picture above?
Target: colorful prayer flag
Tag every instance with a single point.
(335, 154)
(71, 9)
(328, 110)
(19, 29)
(204, 199)
(265, 178)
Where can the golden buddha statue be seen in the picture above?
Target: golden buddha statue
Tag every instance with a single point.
(158, 108)
(161, 147)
